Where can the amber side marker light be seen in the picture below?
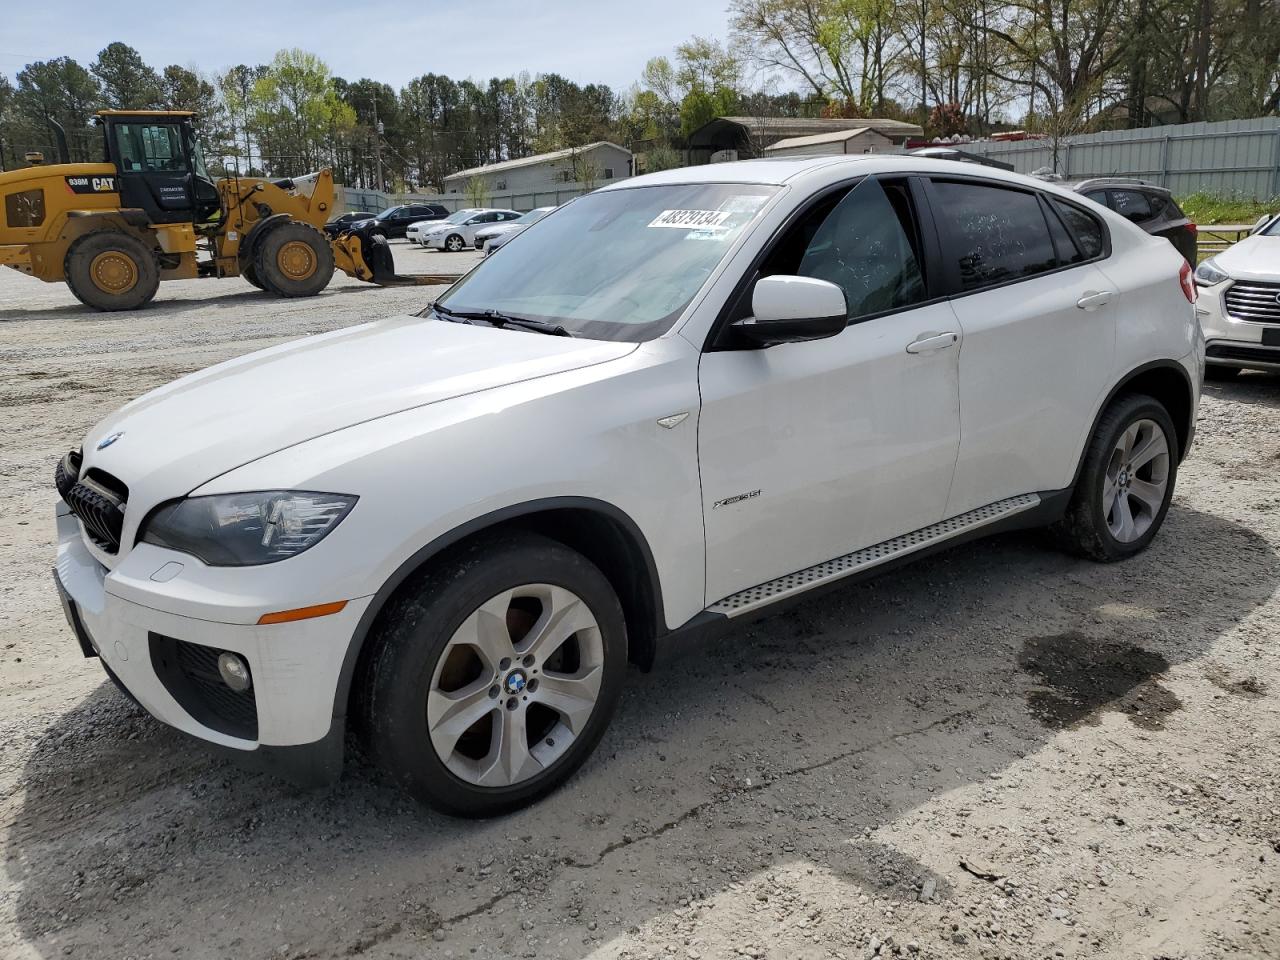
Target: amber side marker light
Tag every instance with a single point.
(302, 613)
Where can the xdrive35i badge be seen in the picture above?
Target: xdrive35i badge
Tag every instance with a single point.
(736, 498)
(109, 440)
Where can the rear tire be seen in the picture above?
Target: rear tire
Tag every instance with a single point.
(1125, 486)
(1220, 374)
(293, 260)
(111, 270)
(473, 701)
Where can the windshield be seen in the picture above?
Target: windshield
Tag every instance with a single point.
(1273, 230)
(615, 265)
(533, 216)
(387, 213)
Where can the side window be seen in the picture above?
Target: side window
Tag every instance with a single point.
(151, 148)
(993, 234)
(1068, 252)
(865, 242)
(25, 209)
(1087, 230)
(1131, 205)
(1098, 196)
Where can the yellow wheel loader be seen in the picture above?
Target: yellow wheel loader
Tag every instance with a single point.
(150, 212)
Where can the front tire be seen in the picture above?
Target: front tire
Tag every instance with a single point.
(454, 243)
(494, 675)
(1126, 484)
(293, 260)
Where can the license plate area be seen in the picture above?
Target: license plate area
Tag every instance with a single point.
(1271, 337)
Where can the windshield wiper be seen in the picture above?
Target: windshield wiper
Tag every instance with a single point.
(496, 318)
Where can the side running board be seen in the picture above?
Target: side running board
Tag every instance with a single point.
(764, 594)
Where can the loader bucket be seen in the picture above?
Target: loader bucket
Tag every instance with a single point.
(369, 258)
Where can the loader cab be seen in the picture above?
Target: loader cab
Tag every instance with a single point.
(159, 164)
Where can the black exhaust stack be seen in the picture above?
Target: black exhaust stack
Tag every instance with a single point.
(59, 135)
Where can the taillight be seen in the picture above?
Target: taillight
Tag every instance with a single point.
(1187, 282)
(1191, 227)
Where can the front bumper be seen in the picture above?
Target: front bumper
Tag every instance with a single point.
(295, 667)
(1235, 343)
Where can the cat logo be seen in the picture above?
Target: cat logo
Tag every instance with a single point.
(91, 184)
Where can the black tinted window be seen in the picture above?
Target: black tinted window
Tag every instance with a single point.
(865, 242)
(1131, 204)
(995, 235)
(1087, 230)
(1068, 252)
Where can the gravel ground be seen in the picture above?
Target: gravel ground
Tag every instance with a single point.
(998, 752)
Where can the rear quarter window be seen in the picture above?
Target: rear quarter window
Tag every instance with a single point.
(1086, 229)
(1133, 205)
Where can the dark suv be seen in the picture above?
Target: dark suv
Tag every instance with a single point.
(1149, 206)
(394, 221)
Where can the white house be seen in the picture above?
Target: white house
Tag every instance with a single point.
(853, 140)
(595, 164)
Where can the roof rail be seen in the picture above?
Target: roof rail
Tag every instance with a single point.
(1094, 181)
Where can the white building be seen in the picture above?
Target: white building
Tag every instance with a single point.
(853, 140)
(592, 165)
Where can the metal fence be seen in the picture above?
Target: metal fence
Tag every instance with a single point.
(1234, 158)
(372, 201)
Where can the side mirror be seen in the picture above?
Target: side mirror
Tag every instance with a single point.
(794, 309)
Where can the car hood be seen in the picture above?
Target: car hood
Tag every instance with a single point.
(1254, 258)
(182, 435)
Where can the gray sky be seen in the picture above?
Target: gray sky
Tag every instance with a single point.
(600, 41)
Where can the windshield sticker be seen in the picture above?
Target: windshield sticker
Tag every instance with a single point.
(692, 219)
(744, 203)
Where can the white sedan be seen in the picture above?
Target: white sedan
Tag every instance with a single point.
(458, 232)
(417, 231)
(1239, 304)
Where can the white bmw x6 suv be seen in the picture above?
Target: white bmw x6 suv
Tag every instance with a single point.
(675, 401)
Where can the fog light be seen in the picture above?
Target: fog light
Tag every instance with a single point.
(234, 672)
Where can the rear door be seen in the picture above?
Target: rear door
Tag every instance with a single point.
(1039, 336)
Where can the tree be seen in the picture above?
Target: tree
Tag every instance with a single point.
(128, 83)
(477, 190)
(295, 109)
(58, 90)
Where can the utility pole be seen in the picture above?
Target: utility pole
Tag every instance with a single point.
(377, 142)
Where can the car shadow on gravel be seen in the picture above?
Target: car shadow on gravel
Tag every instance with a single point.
(782, 744)
(1250, 387)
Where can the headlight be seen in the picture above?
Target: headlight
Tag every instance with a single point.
(1208, 273)
(246, 529)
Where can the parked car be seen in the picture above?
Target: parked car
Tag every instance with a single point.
(458, 232)
(490, 238)
(394, 222)
(1151, 207)
(1239, 304)
(701, 393)
(343, 222)
(962, 156)
(418, 230)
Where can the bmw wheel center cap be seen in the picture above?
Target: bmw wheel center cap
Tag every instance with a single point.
(516, 682)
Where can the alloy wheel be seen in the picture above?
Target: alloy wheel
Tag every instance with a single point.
(1136, 480)
(516, 685)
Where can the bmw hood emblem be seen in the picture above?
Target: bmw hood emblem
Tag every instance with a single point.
(109, 440)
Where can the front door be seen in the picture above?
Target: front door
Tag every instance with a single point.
(154, 167)
(809, 451)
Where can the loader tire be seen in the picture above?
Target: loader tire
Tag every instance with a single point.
(293, 260)
(249, 274)
(377, 256)
(111, 270)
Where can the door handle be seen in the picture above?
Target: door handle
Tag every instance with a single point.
(934, 341)
(1093, 299)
